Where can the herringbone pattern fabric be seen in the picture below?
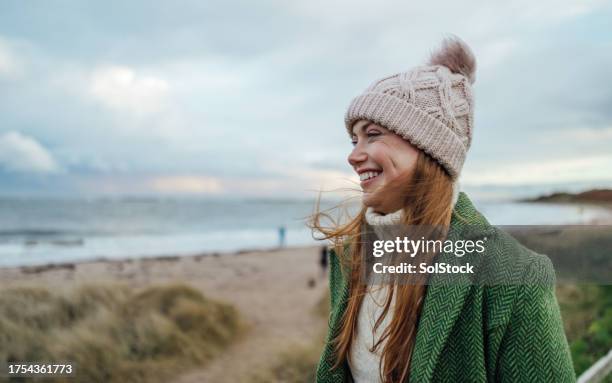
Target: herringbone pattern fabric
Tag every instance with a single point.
(506, 332)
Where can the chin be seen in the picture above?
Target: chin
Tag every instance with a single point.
(366, 199)
(368, 196)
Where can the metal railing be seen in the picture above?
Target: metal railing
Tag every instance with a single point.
(598, 371)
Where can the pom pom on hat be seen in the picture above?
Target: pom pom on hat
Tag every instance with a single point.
(457, 57)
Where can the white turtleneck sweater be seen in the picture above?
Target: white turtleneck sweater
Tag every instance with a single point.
(364, 364)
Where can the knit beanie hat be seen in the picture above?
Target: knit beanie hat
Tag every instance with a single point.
(430, 106)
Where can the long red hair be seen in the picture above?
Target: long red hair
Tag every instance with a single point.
(426, 197)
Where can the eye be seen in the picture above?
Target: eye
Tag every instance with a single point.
(354, 141)
(373, 133)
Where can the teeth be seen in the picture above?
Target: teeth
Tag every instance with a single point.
(367, 175)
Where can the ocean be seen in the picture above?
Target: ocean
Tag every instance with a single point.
(48, 230)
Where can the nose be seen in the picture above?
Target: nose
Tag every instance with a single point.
(357, 156)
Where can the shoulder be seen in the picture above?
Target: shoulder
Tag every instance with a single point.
(509, 261)
(505, 260)
(512, 274)
(509, 273)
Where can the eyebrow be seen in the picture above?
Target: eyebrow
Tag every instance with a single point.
(363, 127)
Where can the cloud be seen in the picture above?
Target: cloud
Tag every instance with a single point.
(186, 184)
(23, 154)
(11, 66)
(550, 11)
(496, 52)
(120, 87)
(228, 104)
(579, 169)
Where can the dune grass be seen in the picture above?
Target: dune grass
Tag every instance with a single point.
(114, 333)
(587, 316)
(297, 364)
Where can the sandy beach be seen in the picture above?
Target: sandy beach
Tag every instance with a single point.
(273, 291)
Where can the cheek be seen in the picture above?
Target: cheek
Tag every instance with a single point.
(394, 157)
(407, 160)
(402, 158)
(379, 155)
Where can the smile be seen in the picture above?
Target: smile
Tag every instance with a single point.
(368, 175)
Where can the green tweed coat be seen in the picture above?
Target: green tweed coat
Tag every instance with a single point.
(471, 332)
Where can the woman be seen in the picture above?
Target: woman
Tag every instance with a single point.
(411, 132)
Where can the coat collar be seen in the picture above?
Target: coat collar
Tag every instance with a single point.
(443, 302)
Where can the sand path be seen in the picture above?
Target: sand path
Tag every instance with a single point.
(271, 291)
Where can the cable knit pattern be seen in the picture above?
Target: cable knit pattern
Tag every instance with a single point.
(376, 219)
(430, 106)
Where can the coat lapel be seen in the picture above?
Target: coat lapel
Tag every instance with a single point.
(444, 300)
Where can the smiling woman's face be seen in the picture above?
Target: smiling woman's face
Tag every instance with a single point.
(379, 156)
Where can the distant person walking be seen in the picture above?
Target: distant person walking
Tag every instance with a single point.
(281, 236)
(323, 261)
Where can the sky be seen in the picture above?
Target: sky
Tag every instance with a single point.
(216, 98)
